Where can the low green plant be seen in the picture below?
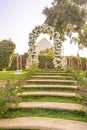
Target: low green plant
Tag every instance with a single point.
(8, 98)
(81, 90)
(42, 98)
(49, 113)
(33, 70)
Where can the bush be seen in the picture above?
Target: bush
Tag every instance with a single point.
(81, 90)
(73, 61)
(6, 51)
(45, 61)
(33, 70)
(82, 87)
(8, 97)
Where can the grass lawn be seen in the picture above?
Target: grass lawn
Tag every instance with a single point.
(48, 89)
(39, 112)
(36, 98)
(12, 75)
(14, 78)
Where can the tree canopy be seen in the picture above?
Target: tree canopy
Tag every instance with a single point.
(6, 50)
(68, 16)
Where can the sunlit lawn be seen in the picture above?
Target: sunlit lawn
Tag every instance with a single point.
(12, 75)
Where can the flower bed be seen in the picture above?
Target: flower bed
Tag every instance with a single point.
(8, 97)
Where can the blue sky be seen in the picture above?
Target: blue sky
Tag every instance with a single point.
(19, 17)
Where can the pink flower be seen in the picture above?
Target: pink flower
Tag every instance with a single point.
(86, 98)
(6, 86)
(9, 104)
(7, 96)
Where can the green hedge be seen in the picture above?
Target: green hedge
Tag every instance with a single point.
(45, 61)
(73, 61)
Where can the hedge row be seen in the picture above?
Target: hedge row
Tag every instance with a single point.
(46, 61)
(77, 62)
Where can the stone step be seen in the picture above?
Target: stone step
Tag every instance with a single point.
(50, 81)
(65, 94)
(51, 105)
(50, 86)
(51, 77)
(40, 123)
(51, 73)
(55, 71)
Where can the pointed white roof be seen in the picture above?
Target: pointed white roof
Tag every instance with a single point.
(43, 44)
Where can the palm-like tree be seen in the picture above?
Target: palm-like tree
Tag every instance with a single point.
(81, 39)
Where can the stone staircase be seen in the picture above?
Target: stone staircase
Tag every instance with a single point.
(59, 84)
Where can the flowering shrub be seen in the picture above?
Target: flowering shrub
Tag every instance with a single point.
(8, 97)
(81, 90)
(53, 34)
(82, 94)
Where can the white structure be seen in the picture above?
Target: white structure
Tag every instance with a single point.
(32, 44)
(64, 63)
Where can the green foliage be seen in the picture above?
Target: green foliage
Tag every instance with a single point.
(8, 97)
(67, 16)
(80, 2)
(46, 58)
(73, 61)
(13, 65)
(24, 58)
(82, 38)
(48, 89)
(14, 61)
(33, 70)
(44, 98)
(83, 62)
(81, 77)
(44, 51)
(49, 113)
(45, 61)
(6, 50)
(11, 75)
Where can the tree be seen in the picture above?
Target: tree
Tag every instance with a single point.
(67, 16)
(81, 39)
(6, 50)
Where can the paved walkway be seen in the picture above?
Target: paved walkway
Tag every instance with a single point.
(42, 124)
(50, 86)
(51, 105)
(65, 94)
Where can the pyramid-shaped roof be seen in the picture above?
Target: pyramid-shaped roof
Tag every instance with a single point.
(43, 44)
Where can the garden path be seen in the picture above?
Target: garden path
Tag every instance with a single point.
(36, 86)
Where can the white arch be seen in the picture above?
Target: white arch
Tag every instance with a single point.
(32, 44)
